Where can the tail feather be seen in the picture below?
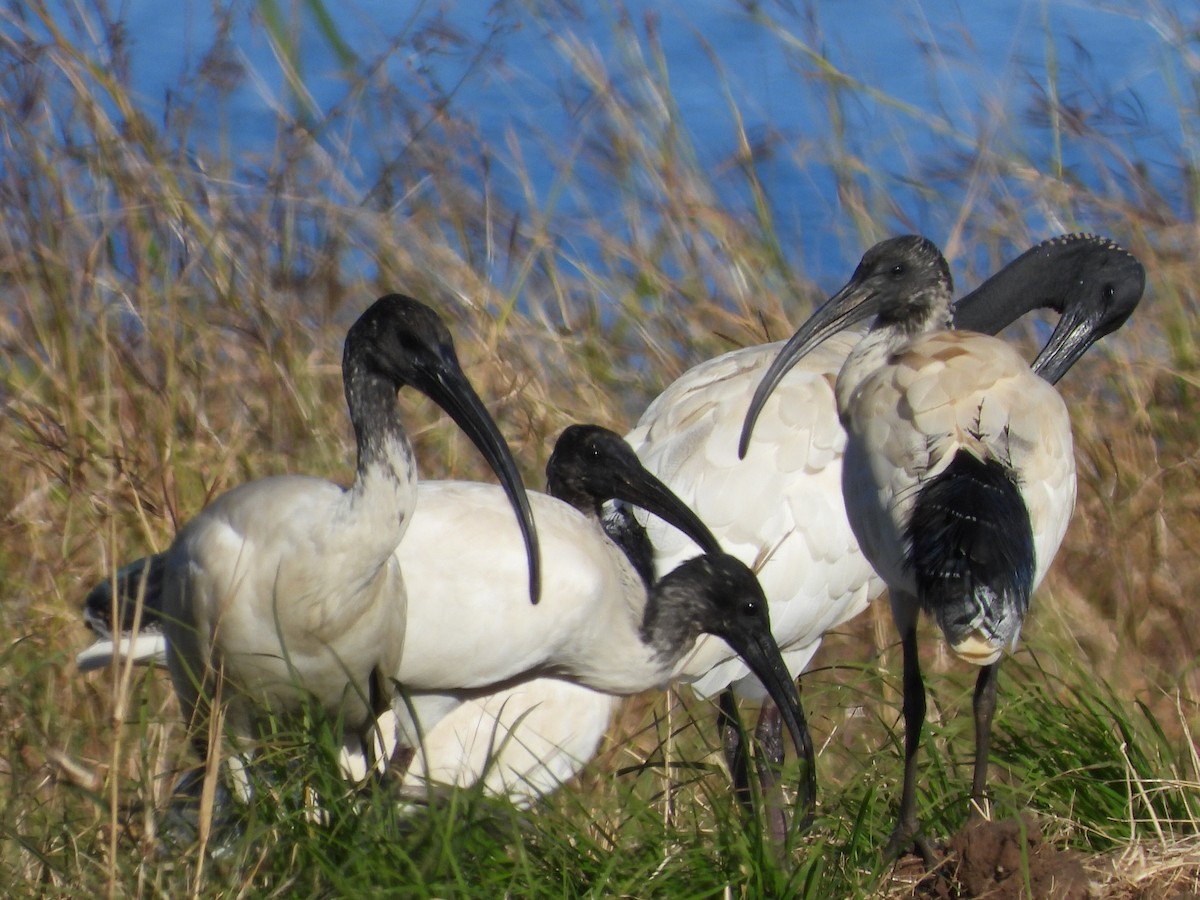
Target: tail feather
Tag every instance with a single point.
(971, 551)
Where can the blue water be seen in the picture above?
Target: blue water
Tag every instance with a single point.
(1118, 63)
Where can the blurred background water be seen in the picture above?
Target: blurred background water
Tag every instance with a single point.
(1083, 88)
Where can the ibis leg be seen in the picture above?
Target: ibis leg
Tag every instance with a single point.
(768, 736)
(734, 744)
(381, 744)
(985, 709)
(908, 829)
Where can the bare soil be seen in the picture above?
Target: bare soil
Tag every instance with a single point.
(1012, 858)
(1002, 860)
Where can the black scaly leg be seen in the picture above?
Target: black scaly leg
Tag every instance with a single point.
(768, 736)
(985, 709)
(908, 829)
(380, 698)
(734, 745)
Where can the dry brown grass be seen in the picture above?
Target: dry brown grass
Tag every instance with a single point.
(172, 327)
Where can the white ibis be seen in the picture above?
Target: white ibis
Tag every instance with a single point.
(287, 588)
(780, 509)
(598, 625)
(474, 660)
(959, 478)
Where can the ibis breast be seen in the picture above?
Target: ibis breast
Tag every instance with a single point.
(259, 584)
(939, 394)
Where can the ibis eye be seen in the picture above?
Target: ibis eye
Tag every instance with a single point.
(898, 270)
(1109, 293)
(750, 608)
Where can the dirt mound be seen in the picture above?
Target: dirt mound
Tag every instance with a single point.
(990, 860)
(1003, 860)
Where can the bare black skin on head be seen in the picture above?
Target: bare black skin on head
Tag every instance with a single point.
(591, 466)
(1092, 282)
(902, 282)
(401, 342)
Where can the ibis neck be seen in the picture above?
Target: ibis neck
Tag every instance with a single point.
(1035, 280)
(670, 624)
(867, 356)
(384, 489)
(378, 431)
(643, 642)
(880, 343)
(624, 530)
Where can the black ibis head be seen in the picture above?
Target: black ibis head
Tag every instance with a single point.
(140, 580)
(128, 624)
(901, 282)
(1092, 282)
(718, 594)
(405, 342)
(591, 465)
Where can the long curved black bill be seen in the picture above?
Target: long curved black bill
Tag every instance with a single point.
(644, 490)
(454, 394)
(1086, 318)
(1093, 282)
(636, 485)
(760, 652)
(850, 305)
(1077, 330)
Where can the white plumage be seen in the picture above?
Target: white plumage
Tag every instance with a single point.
(286, 589)
(780, 510)
(522, 742)
(466, 626)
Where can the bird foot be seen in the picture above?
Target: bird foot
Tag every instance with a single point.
(181, 823)
(909, 836)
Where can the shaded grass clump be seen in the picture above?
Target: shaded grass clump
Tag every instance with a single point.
(1101, 765)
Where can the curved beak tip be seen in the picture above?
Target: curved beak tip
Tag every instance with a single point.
(756, 405)
(768, 665)
(532, 548)
(464, 406)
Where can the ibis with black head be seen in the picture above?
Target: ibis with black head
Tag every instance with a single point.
(779, 508)
(959, 475)
(287, 589)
